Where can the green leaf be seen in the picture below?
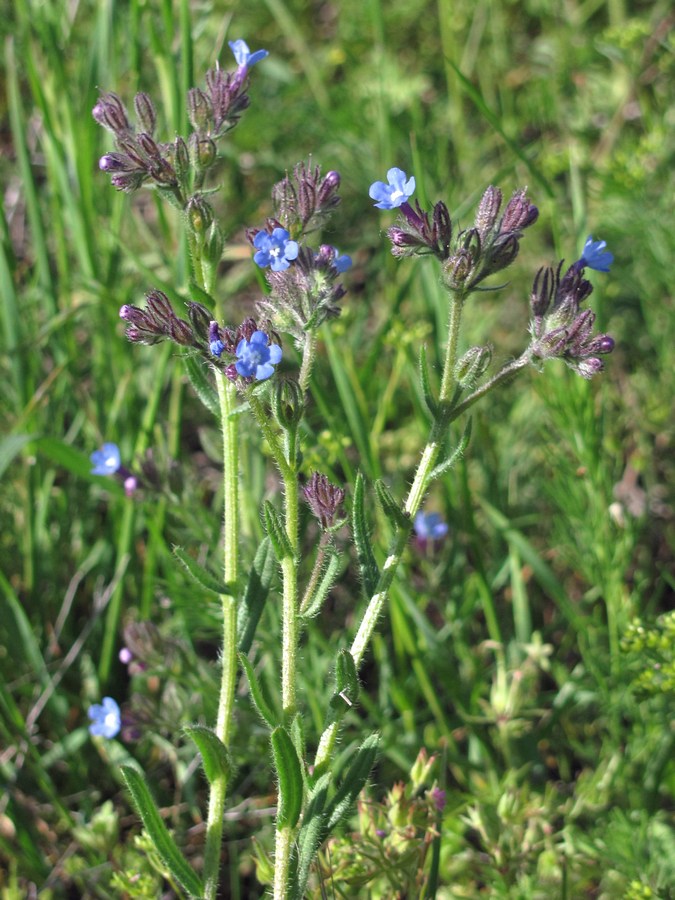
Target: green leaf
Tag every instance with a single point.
(199, 295)
(390, 507)
(164, 843)
(310, 837)
(256, 692)
(346, 679)
(455, 456)
(215, 755)
(364, 551)
(10, 447)
(428, 393)
(289, 773)
(197, 373)
(353, 783)
(257, 588)
(312, 604)
(276, 532)
(201, 575)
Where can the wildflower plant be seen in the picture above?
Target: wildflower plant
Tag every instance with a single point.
(242, 368)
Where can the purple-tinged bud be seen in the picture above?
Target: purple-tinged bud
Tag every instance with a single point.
(542, 291)
(441, 229)
(604, 343)
(519, 213)
(199, 214)
(181, 158)
(149, 146)
(458, 268)
(324, 499)
(203, 151)
(200, 110)
(438, 798)
(231, 372)
(472, 366)
(288, 402)
(145, 111)
(503, 251)
(329, 185)
(116, 162)
(401, 238)
(587, 368)
(125, 656)
(200, 319)
(488, 210)
(127, 182)
(111, 113)
(130, 485)
(216, 346)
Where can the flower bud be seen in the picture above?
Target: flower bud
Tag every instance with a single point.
(181, 158)
(458, 268)
(542, 291)
(110, 112)
(442, 228)
(328, 186)
(519, 213)
(203, 151)
(488, 210)
(145, 111)
(200, 111)
(199, 214)
(288, 402)
(213, 246)
(472, 365)
(324, 499)
(200, 319)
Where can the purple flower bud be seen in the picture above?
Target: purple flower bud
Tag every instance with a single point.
(488, 210)
(145, 112)
(200, 110)
(323, 498)
(519, 213)
(110, 112)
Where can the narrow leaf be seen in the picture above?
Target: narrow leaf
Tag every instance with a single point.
(353, 783)
(164, 843)
(455, 456)
(257, 588)
(364, 551)
(310, 837)
(199, 295)
(197, 373)
(276, 532)
(289, 773)
(201, 575)
(390, 507)
(215, 756)
(312, 604)
(428, 393)
(256, 692)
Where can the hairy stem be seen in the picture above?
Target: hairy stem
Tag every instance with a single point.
(214, 825)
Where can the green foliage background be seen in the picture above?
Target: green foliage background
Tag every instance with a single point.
(502, 651)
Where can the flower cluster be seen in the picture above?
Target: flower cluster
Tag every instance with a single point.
(491, 245)
(255, 353)
(139, 158)
(304, 199)
(157, 322)
(559, 327)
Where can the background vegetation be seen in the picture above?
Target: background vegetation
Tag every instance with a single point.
(507, 650)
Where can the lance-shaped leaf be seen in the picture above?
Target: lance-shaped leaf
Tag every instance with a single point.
(312, 603)
(353, 782)
(276, 532)
(256, 692)
(163, 842)
(197, 373)
(310, 837)
(202, 576)
(214, 753)
(251, 606)
(390, 507)
(456, 454)
(346, 682)
(427, 392)
(364, 551)
(289, 774)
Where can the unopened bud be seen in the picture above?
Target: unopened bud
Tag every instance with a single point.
(472, 366)
(110, 112)
(181, 158)
(200, 214)
(200, 111)
(328, 186)
(145, 111)
(203, 151)
(519, 213)
(458, 268)
(488, 210)
(213, 246)
(200, 319)
(288, 402)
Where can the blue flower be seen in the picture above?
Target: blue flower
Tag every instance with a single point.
(430, 526)
(341, 263)
(394, 194)
(256, 357)
(595, 256)
(105, 718)
(245, 59)
(275, 250)
(106, 460)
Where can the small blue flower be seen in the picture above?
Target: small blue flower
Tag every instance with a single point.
(256, 357)
(275, 250)
(595, 256)
(245, 59)
(394, 194)
(341, 263)
(105, 718)
(106, 460)
(430, 526)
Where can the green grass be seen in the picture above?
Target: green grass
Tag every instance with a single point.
(502, 651)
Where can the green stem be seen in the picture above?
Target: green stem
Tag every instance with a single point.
(308, 354)
(282, 859)
(289, 570)
(214, 825)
